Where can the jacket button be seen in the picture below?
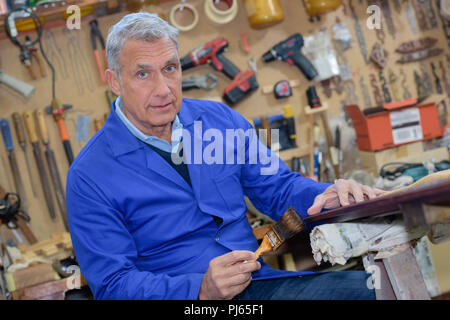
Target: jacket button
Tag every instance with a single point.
(217, 239)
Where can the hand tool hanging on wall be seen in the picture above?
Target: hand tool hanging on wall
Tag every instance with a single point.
(437, 81)
(426, 79)
(445, 23)
(386, 9)
(359, 34)
(406, 93)
(315, 103)
(420, 55)
(379, 56)
(384, 88)
(53, 168)
(350, 92)
(243, 82)
(31, 129)
(289, 50)
(57, 111)
(421, 91)
(27, 51)
(445, 78)
(78, 61)
(410, 15)
(421, 15)
(13, 216)
(20, 132)
(416, 45)
(55, 53)
(393, 83)
(365, 93)
(95, 33)
(376, 90)
(7, 138)
(430, 15)
(207, 82)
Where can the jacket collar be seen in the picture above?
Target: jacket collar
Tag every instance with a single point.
(123, 141)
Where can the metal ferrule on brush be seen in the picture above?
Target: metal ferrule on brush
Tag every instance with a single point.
(274, 239)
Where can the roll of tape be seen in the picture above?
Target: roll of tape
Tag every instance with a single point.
(221, 16)
(185, 6)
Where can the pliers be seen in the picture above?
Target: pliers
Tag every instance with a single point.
(95, 33)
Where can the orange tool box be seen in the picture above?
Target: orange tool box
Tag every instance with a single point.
(395, 124)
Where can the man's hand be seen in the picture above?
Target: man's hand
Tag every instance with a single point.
(228, 275)
(343, 193)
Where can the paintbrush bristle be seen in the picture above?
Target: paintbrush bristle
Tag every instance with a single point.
(289, 225)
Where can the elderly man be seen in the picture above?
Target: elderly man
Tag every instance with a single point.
(145, 225)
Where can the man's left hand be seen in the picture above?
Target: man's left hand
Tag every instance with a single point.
(343, 193)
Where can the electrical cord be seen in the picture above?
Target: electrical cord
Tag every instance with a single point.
(24, 46)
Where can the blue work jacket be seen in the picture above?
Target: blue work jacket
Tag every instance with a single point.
(139, 231)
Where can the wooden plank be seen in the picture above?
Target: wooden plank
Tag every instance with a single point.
(49, 290)
(32, 275)
(434, 193)
(405, 276)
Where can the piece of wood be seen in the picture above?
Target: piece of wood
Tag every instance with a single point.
(30, 276)
(385, 291)
(405, 276)
(52, 290)
(59, 242)
(432, 193)
(261, 231)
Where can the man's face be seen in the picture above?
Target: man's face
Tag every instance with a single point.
(150, 84)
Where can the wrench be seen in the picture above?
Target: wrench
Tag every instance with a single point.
(203, 82)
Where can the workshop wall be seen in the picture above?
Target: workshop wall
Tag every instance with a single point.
(87, 94)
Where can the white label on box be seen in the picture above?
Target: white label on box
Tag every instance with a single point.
(406, 126)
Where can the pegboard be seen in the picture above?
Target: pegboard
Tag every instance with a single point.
(89, 97)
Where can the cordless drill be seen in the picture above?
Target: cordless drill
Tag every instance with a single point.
(243, 82)
(289, 50)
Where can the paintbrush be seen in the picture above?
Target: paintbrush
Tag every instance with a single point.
(289, 225)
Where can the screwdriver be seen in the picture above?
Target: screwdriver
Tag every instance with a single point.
(7, 138)
(20, 131)
(31, 130)
(51, 161)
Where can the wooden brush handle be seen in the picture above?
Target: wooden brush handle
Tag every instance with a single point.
(265, 247)
(440, 175)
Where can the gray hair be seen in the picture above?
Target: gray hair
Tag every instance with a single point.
(138, 26)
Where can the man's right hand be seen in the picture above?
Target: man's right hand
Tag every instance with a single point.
(228, 275)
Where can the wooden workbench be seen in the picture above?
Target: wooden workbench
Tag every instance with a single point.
(428, 204)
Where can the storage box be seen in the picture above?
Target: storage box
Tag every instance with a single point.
(395, 124)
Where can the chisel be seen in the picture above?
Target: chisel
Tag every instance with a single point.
(7, 138)
(20, 132)
(31, 129)
(54, 173)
